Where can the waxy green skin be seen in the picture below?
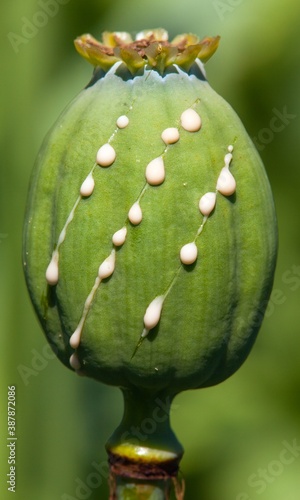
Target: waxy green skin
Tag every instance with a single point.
(214, 309)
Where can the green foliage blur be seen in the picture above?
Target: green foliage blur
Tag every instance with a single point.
(236, 434)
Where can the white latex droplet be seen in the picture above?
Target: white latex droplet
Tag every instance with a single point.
(107, 267)
(155, 172)
(122, 121)
(170, 135)
(207, 203)
(190, 120)
(106, 155)
(135, 214)
(189, 253)
(226, 184)
(87, 187)
(153, 312)
(52, 272)
(74, 362)
(119, 237)
(75, 337)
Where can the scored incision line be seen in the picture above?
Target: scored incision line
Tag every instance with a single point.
(52, 272)
(105, 157)
(226, 185)
(155, 169)
(105, 270)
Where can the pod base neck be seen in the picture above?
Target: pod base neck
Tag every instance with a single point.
(144, 469)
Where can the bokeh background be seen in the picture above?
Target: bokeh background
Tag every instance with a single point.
(234, 434)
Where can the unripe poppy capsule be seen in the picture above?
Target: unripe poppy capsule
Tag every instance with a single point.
(150, 238)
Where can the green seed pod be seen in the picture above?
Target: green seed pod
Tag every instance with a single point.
(150, 236)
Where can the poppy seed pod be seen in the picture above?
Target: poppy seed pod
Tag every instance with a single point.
(150, 235)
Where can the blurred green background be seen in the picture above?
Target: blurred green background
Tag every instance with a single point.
(234, 434)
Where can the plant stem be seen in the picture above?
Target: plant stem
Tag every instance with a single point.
(144, 453)
(134, 489)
